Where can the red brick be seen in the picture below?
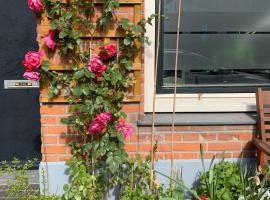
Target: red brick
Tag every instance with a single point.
(163, 147)
(50, 158)
(176, 156)
(125, 9)
(207, 128)
(189, 155)
(64, 158)
(191, 137)
(121, 16)
(132, 118)
(50, 110)
(134, 138)
(208, 155)
(223, 155)
(187, 146)
(224, 146)
(209, 136)
(240, 127)
(53, 130)
(129, 108)
(49, 139)
(144, 147)
(169, 128)
(54, 149)
(131, 147)
(63, 140)
(48, 120)
(176, 137)
(160, 156)
(245, 135)
(145, 129)
(147, 138)
(226, 136)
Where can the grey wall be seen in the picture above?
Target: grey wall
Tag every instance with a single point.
(58, 172)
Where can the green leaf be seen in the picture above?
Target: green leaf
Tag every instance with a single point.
(85, 90)
(66, 92)
(74, 67)
(124, 23)
(66, 187)
(138, 29)
(54, 24)
(89, 74)
(78, 197)
(69, 15)
(77, 91)
(127, 41)
(63, 34)
(78, 74)
(65, 121)
(55, 91)
(45, 65)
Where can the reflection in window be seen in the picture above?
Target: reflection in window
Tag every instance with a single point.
(222, 43)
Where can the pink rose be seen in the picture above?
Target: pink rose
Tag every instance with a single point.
(32, 60)
(124, 128)
(35, 5)
(49, 40)
(96, 128)
(96, 66)
(108, 52)
(104, 117)
(99, 123)
(33, 76)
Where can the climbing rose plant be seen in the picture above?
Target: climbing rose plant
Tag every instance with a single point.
(94, 87)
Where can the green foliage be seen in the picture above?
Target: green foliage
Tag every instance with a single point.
(223, 180)
(82, 184)
(108, 12)
(229, 181)
(99, 163)
(70, 19)
(18, 186)
(135, 178)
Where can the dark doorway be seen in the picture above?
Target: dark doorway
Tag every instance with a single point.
(19, 109)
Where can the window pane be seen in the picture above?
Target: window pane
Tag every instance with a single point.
(219, 59)
(218, 15)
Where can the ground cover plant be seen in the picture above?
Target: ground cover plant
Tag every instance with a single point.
(229, 181)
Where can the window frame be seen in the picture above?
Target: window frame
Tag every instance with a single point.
(193, 100)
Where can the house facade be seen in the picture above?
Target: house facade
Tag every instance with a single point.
(221, 63)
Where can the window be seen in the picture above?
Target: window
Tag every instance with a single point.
(224, 46)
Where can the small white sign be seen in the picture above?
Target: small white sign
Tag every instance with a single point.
(20, 84)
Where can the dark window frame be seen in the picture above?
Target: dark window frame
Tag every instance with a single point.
(198, 88)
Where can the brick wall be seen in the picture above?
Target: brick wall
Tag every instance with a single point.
(235, 140)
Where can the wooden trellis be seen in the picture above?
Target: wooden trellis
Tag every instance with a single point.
(105, 37)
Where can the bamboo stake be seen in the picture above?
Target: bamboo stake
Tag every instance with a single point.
(175, 82)
(154, 96)
(46, 166)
